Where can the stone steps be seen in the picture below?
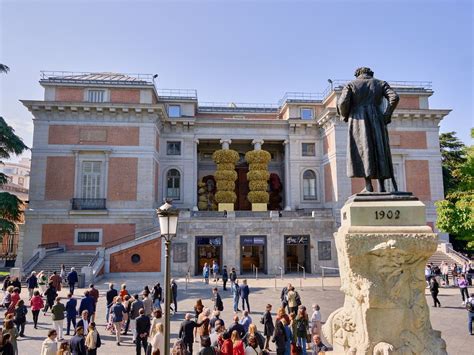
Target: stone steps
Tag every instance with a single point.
(54, 261)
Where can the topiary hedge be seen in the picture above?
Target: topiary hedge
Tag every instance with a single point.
(258, 175)
(225, 175)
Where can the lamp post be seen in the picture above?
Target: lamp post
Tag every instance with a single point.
(168, 217)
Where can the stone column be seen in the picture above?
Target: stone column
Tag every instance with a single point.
(225, 143)
(383, 246)
(195, 174)
(257, 144)
(286, 144)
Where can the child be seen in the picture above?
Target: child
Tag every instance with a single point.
(20, 317)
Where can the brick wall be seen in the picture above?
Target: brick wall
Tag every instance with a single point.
(59, 178)
(122, 183)
(93, 135)
(69, 94)
(328, 184)
(409, 102)
(64, 234)
(408, 139)
(150, 258)
(125, 96)
(418, 178)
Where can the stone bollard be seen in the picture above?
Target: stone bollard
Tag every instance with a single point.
(383, 246)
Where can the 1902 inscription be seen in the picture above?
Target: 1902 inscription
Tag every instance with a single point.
(387, 214)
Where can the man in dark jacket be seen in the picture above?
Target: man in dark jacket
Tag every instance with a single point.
(71, 313)
(186, 332)
(225, 277)
(244, 294)
(142, 324)
(284, 298)
(72, 279)
(50, 295)
(236, 326)
(87, 304)
(94, 293)
(268, 326)
(134, 314)
(232, 276)
(174, 295)
(157, 295)
(77, 343)
(32, 283)
(110, 295)
(218, 305)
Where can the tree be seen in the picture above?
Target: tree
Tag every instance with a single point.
(453, 154)
(456, 212)
(10, 205)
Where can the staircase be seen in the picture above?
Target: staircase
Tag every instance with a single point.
(439, 256)
(53, 262)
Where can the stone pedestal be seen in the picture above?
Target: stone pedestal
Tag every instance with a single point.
(221, 207)
(259, 207)
(383, 245)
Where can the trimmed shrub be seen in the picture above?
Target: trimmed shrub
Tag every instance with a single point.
(226, 197)
(228, 175)
(202, 205)
(258, 197)
(225, 185)
(225, 166)
(258, 185)
(258, 166)
(258, 175)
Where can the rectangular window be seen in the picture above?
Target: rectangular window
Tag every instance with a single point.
(306, 113)
(173, 148)
(180, 252)
(91, 179)
(96, 95)
(88, 236)
(174, 111)
(308, 149)
(324, 250)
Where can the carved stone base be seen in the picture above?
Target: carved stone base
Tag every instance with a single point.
(382, 276)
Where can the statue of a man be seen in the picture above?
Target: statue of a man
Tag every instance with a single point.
(368, 151)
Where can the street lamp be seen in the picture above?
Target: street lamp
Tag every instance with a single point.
(168, 217)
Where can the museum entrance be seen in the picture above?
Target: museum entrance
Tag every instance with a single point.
(207, 250)
(253, 253)
(242, 188)
(297, 253)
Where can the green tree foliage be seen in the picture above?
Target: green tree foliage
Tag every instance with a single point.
(456, 212)
(453, 154)
(10, 205)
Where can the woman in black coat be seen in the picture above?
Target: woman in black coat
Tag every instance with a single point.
(268, 326)
(279, 338)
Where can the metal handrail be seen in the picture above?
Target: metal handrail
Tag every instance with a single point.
(298, 267)
(52, 74)
(322, 272)
(31, 262)
(177, 93)
(458, 254)
(142, 232)
(94, 259)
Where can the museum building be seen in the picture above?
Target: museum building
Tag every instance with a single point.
(108, 148)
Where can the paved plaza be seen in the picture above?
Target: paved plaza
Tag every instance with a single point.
(451, 319)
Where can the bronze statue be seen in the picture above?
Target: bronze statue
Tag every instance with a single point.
(368, 151)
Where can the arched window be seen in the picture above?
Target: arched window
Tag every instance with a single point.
(309, 185)
(173, 183)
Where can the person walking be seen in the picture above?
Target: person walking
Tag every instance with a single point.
(470, 313)
(123, 291)
(158, 341)
(84, 322)
(215, 270)
(225, 278)
(92, 341)
(232, 276)
(49, 345)
(32, 283)
(206, 348)
(289, 336)
(42, 281)
(50, 295)
(16, 283)
(252, 347)
(284, 297)
(63, 273)
(235, 295)
(205, 273)
(236, 326)
(292, 303)
(10, 330)
(77, 342)
(72, 279)
(218, 304)
(186, 332)
(280, 338)
(462, 283)
(302, 329)
(244, 294)
(174, 294)
(316, 320)
(94, 293)
(216, 317)
(71, 313)
(20, 317)
(157, 295)
(147, 304)
(253, 332)
(445, 273)
(227, 346)
(7, 297)
(36, 304)
(142, 330)
(238, 344)
(87, 304)
(127, 304)
(268, 326)
(118, 311)
(134, 314)
(246, 321)
(204, 320)
(55, 279)
(109, 296)
(58, 317)
(434, 290)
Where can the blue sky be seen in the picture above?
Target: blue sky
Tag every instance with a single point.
(241, 51)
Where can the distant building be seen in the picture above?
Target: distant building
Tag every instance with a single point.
(18, 177)
(108, 148)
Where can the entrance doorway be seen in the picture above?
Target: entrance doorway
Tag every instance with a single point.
(242, 188)
(207, 250)
(253, 253)
(297, 253)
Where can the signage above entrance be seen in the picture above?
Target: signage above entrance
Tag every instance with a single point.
(297, 239)
(251, 240)
(209, 240)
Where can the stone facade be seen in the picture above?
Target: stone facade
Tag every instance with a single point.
(107, 149)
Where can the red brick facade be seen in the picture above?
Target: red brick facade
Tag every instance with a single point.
(93, 135)
(328, 184)
(149, 254)
(122, 184)
(59, 178)
(408, 139)
(69, 94)
(125, 96)
(418, 178)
